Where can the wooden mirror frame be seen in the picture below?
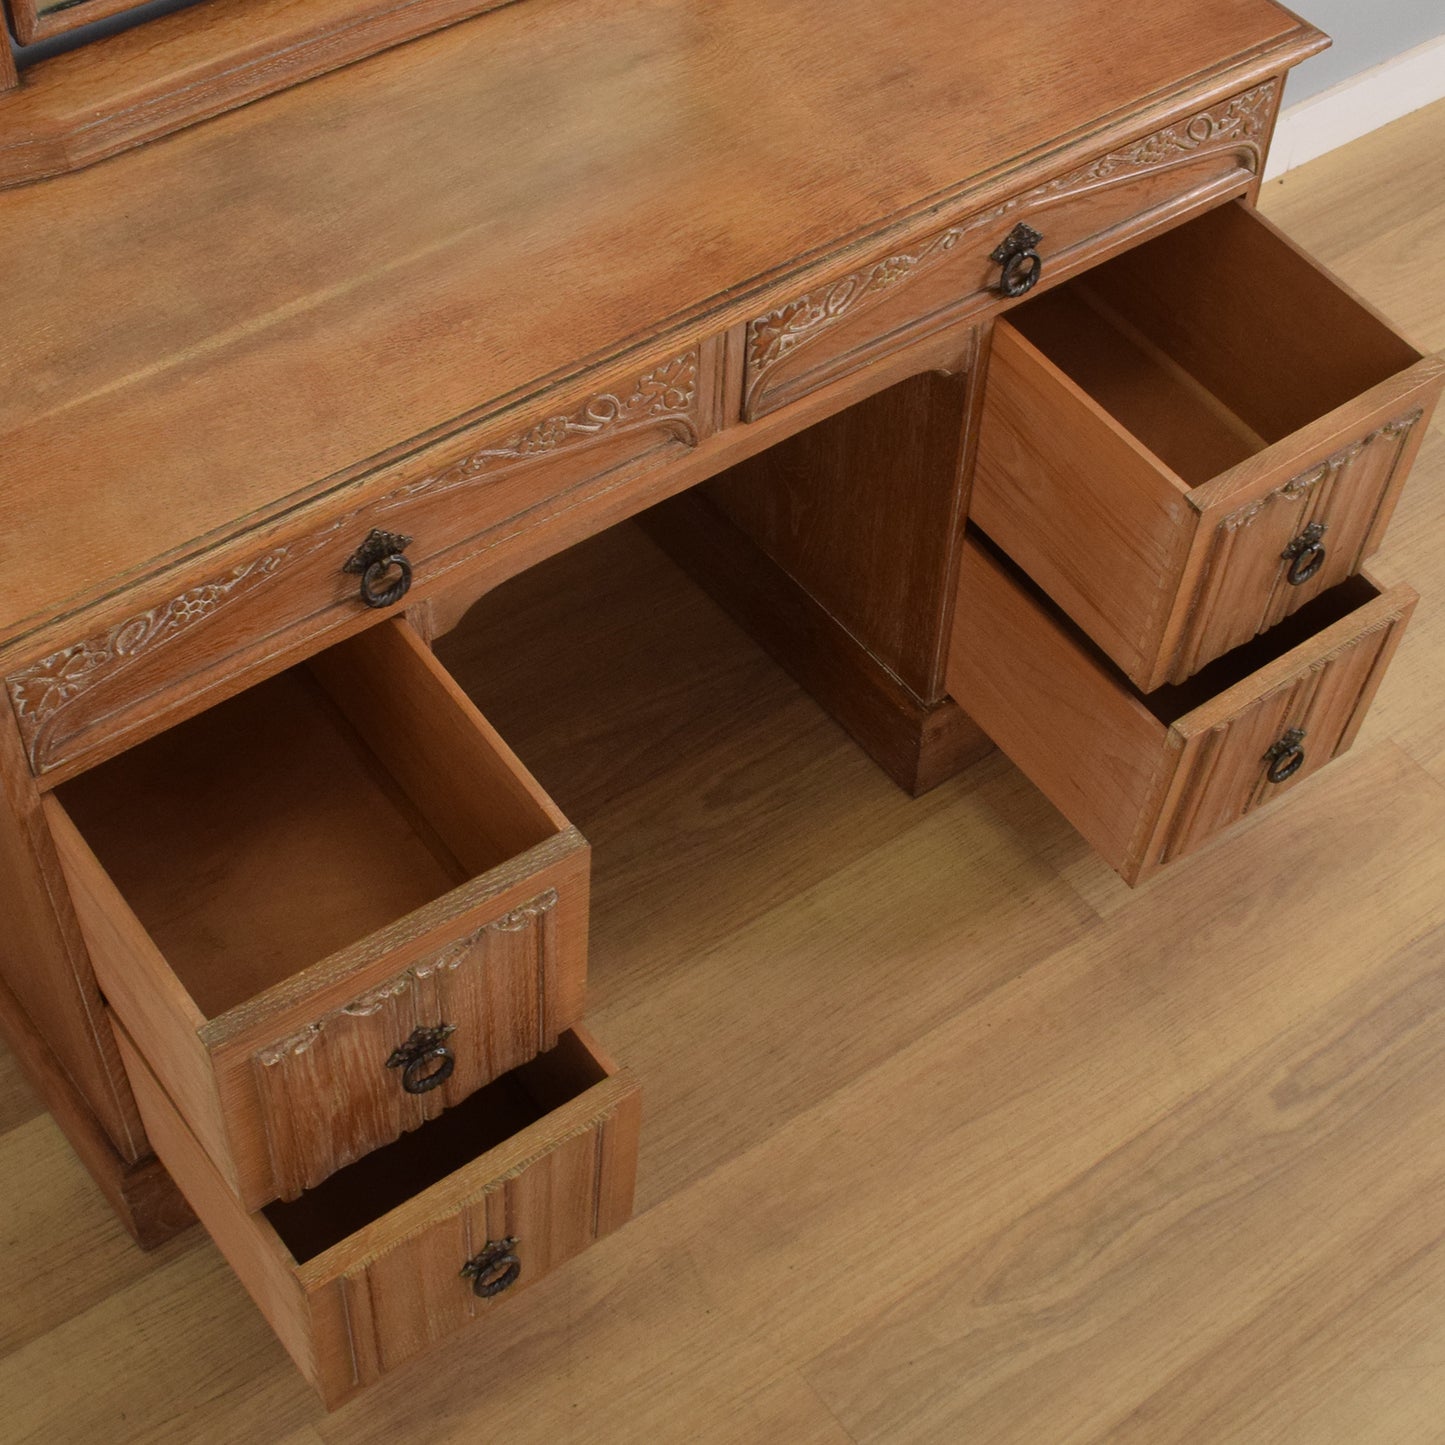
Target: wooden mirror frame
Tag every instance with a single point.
(70, 110)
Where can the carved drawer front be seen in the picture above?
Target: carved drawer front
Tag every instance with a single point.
(1196, 439)
(328, 909)
(444, 1227)
(1031, 240)
(450, 507)
(1148, 778)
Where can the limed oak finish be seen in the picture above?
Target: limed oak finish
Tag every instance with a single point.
(280, 893)
(1195, 440)
(1148, 779)
(289, 909)
(418, 1240)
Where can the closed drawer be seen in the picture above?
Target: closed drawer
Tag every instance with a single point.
(1147, 778)
(327, 909)
(290, 585)
(893, 300)
(1195, 439)
(412, 1243)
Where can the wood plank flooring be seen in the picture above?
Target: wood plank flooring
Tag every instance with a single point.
(949, 1136)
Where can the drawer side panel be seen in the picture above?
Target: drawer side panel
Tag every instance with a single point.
(1075, 731)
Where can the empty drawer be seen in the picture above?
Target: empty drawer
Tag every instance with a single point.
(1148, 778)
(410, 1244)
(1190, 442)
(327, 909)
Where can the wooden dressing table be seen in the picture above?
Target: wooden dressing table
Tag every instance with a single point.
(947, 351)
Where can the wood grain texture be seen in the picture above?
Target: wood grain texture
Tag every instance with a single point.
(1037, 1018)
(77, 108)
(391, 1288)
(522, 238)
(146, 1203)
(941, 1224)
(916, 743)
(862, 511)
(849, 321)
(1150, 779)
(274, 1047)
(291, 586)
(1078, 501)
(44, 966)
(1157, 495)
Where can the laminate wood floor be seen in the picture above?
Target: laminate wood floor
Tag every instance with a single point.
(949, 1136)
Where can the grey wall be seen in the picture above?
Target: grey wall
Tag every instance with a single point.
(1365, 33)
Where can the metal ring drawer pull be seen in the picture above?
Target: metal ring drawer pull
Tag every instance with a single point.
(425, 1047)
(1286, 757)
(496, 1268)
(385, 572)
(1305, 554)
(1022, 265)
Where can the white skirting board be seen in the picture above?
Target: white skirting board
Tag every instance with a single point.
(1357, 106)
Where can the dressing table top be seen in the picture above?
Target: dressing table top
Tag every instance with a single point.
(212, 329)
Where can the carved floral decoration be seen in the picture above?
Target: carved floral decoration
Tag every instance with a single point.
(664, 396)
(1238, 122)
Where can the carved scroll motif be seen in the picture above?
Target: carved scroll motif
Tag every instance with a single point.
(1298, 487)
(41, 691)
(665, 396)
(443, 961)
(1238, 124)
(327, 1093)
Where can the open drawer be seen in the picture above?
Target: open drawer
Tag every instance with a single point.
(1190, 442)
(409, 1244)
(1148, 778)
(327, 909)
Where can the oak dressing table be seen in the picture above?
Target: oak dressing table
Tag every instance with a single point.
(948, 352)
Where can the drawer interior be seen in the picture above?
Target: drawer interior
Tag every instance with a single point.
(300, 816)
(380, 1181)
(1213, 341)
(1172, 701)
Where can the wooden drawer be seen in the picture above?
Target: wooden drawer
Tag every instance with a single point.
(280, 893)
(372, 1268)
(893, 300)
(1148, 778)
(1163, 439)
(78, 703)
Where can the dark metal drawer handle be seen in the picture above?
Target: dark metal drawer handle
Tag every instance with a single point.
(496, 1268)
(385, 572)
(1305, 554)
(1022, 265)
(1286, 757)
(424, 1047)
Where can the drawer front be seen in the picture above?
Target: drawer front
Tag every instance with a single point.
(79, 703)
(1146, 783)
(453, 1252)
(511, 1230)
(1254, 744)
(881, 307)
(361, 1075)
(1264, 557)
